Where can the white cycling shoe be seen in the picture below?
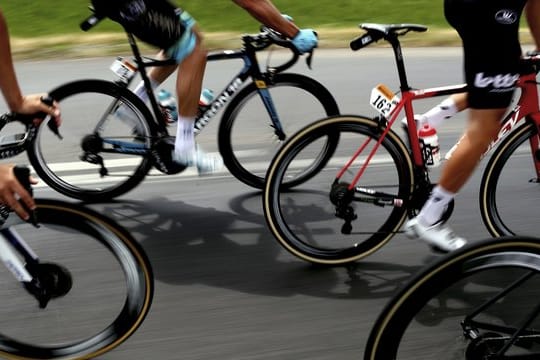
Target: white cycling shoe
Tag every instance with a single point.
(205, 163)
(438, 236)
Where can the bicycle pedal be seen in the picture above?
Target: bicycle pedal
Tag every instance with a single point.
(15, 139)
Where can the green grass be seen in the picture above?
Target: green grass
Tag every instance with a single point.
(34, 18)
(51, 28)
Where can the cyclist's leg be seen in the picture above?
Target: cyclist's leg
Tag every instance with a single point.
(491, 84)
(446, 109)
(157, 76)
(190, 54)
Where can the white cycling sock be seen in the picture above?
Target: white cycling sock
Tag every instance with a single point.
(185, 137)
(445, 110)
(435, 206)
(140, 90)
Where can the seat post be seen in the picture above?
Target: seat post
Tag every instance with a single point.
(392, 38)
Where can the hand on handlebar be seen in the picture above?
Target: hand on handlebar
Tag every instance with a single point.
(305, 41)
(34, 104)
(14, 194)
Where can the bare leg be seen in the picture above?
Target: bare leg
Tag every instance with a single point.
(160, 73)
(188, 86)
(484, 125)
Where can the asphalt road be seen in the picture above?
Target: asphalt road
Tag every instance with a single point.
(224, 287)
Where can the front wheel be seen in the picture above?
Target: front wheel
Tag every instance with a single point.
(321, 220)
(103, 152)
(247, 137)
(510, 187)
(480, 302)
(106, 299)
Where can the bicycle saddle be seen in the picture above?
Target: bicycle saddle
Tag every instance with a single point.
(386, 29)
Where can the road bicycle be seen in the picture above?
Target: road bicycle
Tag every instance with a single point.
(115, 155)
(78, 284)
(357, 200)
(478, 303)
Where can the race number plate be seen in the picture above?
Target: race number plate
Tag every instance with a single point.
(123, 68)
(383, 100)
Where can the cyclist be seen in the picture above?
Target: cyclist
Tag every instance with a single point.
(10, 189)
(489, 33)
(160, 23)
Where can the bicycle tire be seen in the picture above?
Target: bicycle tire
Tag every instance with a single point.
(77, 229)
(78, 179)
(508, 173)
(312, 100)
(292, 213)
(415, 306)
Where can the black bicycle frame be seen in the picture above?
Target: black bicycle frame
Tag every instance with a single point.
(250, 69)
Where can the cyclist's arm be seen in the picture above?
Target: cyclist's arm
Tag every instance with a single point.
(9, 85)
(267, 13)
(532, 11)
(8, 80)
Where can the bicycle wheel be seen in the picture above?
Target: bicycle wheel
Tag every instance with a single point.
(510, 188)
(247, 140)
(111, 287)
(467, 305)
(100, 156)
(320, 221)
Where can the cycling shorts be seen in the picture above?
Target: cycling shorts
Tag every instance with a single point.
(489, 30)
(156, 22)
(186, 43)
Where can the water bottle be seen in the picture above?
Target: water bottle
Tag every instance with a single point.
(206, 98)
(167, 104)
(429, 143)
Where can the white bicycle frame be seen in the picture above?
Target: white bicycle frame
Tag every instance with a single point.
(12, 243)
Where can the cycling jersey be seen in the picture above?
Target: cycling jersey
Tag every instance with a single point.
(156, 22)
(489, 30)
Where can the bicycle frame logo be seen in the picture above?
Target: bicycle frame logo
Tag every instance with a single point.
(218, 103)
(508, 124)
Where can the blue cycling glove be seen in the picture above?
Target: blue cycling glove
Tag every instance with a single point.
(305, 40)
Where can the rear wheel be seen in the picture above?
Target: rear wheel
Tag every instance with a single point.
(102, 155)
(321, 220)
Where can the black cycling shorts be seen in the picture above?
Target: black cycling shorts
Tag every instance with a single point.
(155, 22)
(489, 30)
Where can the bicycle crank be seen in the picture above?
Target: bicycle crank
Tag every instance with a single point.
(162, 155)
(92, 145)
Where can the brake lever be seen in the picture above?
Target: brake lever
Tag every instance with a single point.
(309, 58)
(51, 124)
